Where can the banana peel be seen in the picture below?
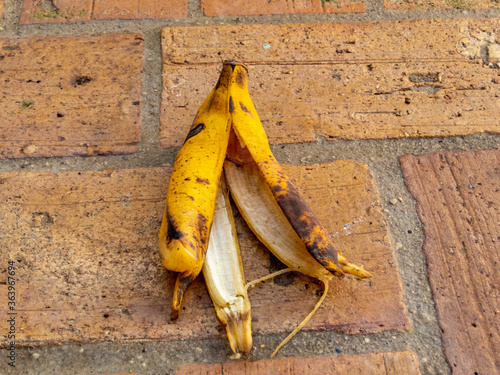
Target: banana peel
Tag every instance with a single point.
(192, 190)
(223, 273)
(227, 139)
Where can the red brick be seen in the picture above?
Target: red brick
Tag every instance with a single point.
(398, 363)
(339, 80)
(441, 4)
(458, 203)
(358, 230)
(116, 9)
(44, 11)
(35, 11)
(216, 8)
(64, 96)
(88, 269)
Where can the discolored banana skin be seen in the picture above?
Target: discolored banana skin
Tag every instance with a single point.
(192, 189)
(250, 135)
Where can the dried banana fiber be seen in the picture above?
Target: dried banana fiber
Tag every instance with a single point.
(192, 189)
(223, 272)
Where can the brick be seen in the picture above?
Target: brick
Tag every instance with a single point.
(217, 8)
(401, 363)
(441, 4)
(119, 9)
(65, 96)
(340, 81)
(35, 11)
(88, 269)
(458, 203)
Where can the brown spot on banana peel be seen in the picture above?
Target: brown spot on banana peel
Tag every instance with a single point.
(198, 236)
(240, 318)
(172, 232)
(237, 342)
(202, 228)
(217, 85)
(231, 105)
(241, 79)
(245, 109)
(194, 131)
(202, 181)
(307, 226)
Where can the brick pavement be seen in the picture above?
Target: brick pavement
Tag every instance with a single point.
(74, 84)
(75, 220)
(45, 11)
(369, 364)
(440, 4)
(217, 8)
(458, 202)
(67, 95)
(343, 84)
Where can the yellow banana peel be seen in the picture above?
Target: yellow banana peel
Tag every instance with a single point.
(192, 190)
(227, 134)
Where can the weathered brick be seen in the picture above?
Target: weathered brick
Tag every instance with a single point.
(458, 203)
(85, 247)
(340, 81)
(64, 96)
(441, 4)
(115, 9)
(216, 8)
(35, 11)
(398, 363)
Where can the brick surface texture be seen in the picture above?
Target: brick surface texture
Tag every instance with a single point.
(45, 11)
(260, 7)
(399, 363)
(339, 81)
(88, 268)
(441, 4)
(64, 96)
(459, 205)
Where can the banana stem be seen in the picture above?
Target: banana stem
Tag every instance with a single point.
(304, 322)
